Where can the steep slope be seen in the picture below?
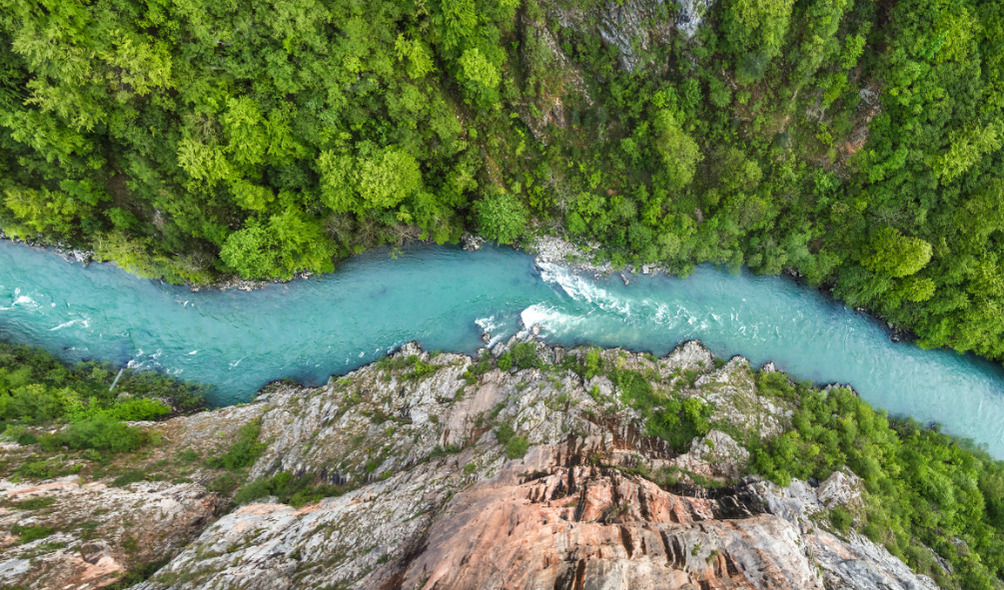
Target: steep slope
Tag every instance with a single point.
(443, 471)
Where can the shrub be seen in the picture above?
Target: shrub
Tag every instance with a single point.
(516, 447)
(841, 519)
(502, 217)
(295, 491)
(128, 477)
(102, 433)
(524, 355)
(137, 409)
(245, 450)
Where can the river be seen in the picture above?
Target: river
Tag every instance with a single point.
(445, 298)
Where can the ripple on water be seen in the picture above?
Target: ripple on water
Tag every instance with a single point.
(446, 298)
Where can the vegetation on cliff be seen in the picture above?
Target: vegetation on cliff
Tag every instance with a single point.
(930, 498)
(37, 389)
(934, 501)
(926, 491)
(856, 142)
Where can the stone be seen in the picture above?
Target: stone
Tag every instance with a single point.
(435, 499)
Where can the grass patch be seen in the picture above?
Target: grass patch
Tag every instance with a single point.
(245, 450)
(27, 534)
(128, 477)
(34, 503)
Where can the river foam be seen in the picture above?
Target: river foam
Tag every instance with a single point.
(447, 298)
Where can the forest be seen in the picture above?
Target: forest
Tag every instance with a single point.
(854, 143)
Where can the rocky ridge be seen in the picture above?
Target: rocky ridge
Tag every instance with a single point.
(453, 473)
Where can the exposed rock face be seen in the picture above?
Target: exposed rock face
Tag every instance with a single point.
(690, 15)
(587, 526)
(576, 496)
(98, 529)
(634, 26)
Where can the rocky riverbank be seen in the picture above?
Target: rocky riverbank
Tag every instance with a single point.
(527, 470)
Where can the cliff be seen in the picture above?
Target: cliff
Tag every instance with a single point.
(445, 471)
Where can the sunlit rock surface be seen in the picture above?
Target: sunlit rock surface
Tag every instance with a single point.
(435, 500)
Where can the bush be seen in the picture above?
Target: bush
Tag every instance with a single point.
(524, 355)
(501, 217)
(138, 409)
(225, 484)
(128, 477)
(676, 421)
(516, 447)
(841, 519)
(420, 368)
(295, 491)
(245, 450)
(102, 433)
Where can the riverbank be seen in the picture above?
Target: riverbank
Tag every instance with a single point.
(544, 248)
(414, 469)
(446, 298)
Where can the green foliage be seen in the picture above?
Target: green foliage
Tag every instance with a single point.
(674, 420)
(100, 432)
(922, 487)
(138, 409)
(288, 489)
(35, 503)
(524, 355)
(592, 365)
(128, 477)
(27, 534)
(420, 368)
(757, 29)
(501, 217)
(36, 387)
(896, 255)
(244, 451)
(677, 150)
(290, 243)
(841, 519)
(515, 445)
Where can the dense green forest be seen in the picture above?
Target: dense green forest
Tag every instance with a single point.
(857, 142)
(929, 497)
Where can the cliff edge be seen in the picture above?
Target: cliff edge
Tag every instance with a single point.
(526, 468)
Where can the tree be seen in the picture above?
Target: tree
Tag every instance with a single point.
(386, 177)
(290, 243)
(756, 29)
(251, 251)
(896, 255)
(501, 217)
(678, 151)
(480, 76)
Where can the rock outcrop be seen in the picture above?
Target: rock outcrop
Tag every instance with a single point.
(453, 474)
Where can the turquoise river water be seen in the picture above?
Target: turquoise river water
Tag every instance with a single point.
(445, 298)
